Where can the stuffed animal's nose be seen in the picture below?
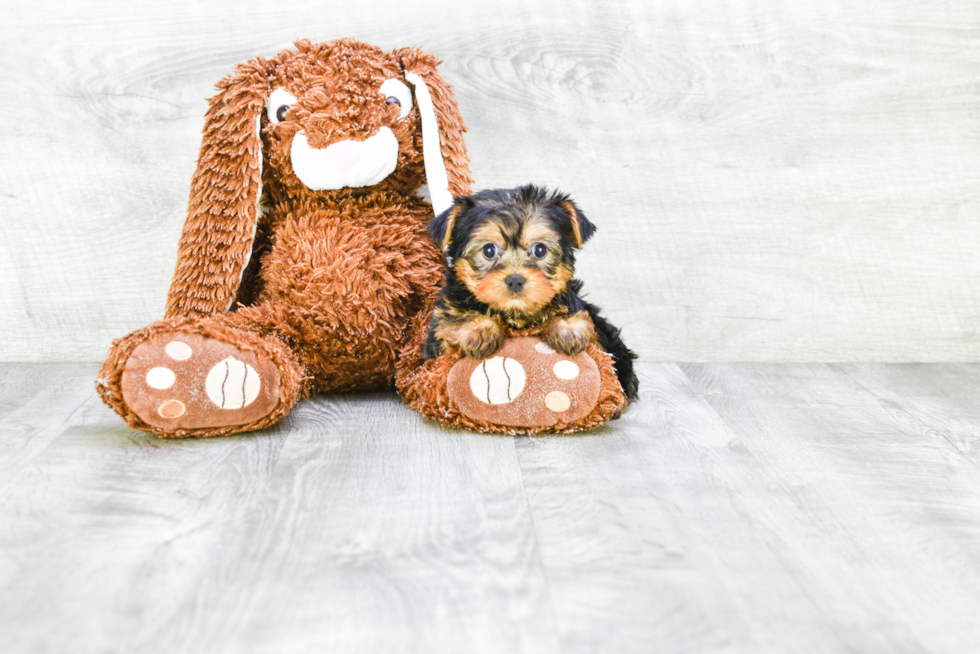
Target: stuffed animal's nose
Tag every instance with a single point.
(515, 283)
(344, 154)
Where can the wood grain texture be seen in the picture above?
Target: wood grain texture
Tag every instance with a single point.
(734, 508)
(772, 181)
(351, 527)
(864, 511)
(942, 401)
(753, 508)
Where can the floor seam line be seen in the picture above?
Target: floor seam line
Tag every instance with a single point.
(537, 545)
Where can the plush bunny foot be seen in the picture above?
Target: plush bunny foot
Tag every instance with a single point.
(183, 381)
(526, 384)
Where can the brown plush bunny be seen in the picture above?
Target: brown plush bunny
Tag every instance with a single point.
(304, 264)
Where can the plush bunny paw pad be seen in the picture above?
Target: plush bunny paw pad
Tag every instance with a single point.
(525, 384)
(187, 381)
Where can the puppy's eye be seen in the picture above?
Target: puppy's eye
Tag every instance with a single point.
(539, 250)
(489, 250)
(397, 93)
(278, 105)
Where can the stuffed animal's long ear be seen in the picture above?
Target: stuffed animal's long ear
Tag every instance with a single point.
(447, 168)
(223, 211)
(582, 227)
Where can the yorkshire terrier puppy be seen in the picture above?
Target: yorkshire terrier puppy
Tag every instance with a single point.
(511, 256)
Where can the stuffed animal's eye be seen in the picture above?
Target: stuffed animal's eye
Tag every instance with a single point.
(397, 93)
(539, 250)
(278, 105)
(489, 250)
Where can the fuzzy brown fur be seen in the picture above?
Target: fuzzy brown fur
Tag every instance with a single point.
(329, 284)
(470, 332)
(570, 335)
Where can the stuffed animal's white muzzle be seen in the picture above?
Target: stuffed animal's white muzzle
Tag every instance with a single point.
(351, 164)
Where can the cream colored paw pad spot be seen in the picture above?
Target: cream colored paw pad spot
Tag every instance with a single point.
(565, 370)
(160, 378)
(544, 348)
(232, 384)
(178, 350)
(557, 401)
(498, 380)
(171, 409)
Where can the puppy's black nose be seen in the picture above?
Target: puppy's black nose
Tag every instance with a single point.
(515, 283)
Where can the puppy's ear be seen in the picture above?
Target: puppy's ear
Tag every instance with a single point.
(223, 211)
(447, 167)
(441, 227)
(582, 227)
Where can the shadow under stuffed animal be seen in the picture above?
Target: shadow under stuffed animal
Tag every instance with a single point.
(304, 265)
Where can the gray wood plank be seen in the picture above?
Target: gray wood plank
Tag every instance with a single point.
(883, 520)
(620, 514)
(735, 508)
(36, 403)
(774, 181)
(752, 508)
(943, 399)
(388, 535)
(109, 534)
(352, 527)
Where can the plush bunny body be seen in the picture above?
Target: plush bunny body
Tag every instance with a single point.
(340, 285)
(304, 264)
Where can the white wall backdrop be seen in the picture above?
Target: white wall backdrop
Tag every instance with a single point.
(772, 180)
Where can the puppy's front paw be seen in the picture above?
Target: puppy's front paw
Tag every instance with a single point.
(480, 338)
(570, 335)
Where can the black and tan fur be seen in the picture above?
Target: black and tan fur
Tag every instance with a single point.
(511, 256)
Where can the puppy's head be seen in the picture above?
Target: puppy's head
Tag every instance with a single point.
(514, 250)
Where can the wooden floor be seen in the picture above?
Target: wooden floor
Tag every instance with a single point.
(737, 507)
